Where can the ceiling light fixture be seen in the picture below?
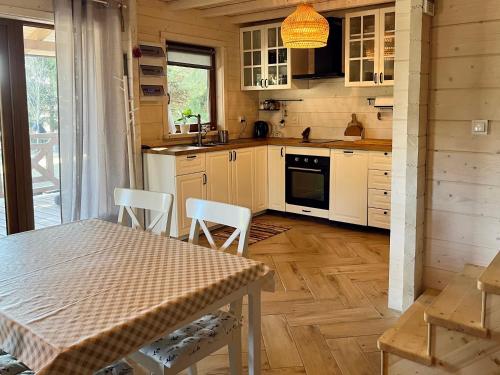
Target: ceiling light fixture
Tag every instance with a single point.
(305, 28)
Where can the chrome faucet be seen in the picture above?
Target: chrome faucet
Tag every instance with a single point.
(199, 136)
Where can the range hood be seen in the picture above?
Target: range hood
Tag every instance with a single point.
(327, 61)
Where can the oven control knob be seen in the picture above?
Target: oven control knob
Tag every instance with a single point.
(297, 159)
(316, 161)
(306, 160)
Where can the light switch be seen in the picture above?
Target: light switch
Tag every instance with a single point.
(479, 127)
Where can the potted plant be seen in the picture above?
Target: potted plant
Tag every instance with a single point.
(184, 126)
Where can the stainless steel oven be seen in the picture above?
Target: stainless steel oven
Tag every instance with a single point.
(308, 181)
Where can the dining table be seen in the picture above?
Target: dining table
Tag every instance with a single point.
(79, 296)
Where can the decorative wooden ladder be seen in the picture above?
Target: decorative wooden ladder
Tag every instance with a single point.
(456, 331)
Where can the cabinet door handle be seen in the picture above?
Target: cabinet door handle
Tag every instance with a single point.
(260, 83)
(385, 212)
(230, 156)
(265, 83)
(386, 173)
(386, 153)
(204, 179)
(282, 149)
(191, 157)
(234, 155)
(381, 78)
(385, 192)
(375, 78)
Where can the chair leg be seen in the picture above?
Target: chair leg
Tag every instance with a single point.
(235, 360)
(193, 370)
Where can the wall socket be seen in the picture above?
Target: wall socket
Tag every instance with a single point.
(480, 127)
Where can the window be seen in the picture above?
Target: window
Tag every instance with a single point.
(191, 84)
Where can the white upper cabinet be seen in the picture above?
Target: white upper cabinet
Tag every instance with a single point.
(265, 62)
(369, 47)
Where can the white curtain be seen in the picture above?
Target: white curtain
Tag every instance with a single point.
(92, 115)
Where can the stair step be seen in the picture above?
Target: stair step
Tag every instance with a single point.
(489, 281)
(458, 306)
(408, 338)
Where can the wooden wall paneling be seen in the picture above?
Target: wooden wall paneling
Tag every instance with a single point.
(409, 154)
(463, 175)
(157, 22)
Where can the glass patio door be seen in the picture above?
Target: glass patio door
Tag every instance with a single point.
(29, 169)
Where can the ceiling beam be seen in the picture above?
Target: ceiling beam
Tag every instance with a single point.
(265, 13)
(196, 4)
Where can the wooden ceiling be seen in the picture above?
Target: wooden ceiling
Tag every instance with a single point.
(249, 11)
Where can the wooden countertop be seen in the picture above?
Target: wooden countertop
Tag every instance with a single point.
(364, 144)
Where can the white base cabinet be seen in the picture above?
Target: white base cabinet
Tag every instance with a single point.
(236, 177)
(276, 177)
(219, 182)
(349, 186)
(379, 189)
(260, 198)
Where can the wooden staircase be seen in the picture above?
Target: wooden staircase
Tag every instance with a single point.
(456, 331)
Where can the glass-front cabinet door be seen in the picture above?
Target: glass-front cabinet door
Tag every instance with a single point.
(251, 59)
(369, 47)
(265, 61)
(388, 37)
(277, 69)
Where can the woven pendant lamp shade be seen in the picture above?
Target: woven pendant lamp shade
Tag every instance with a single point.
(305, 28)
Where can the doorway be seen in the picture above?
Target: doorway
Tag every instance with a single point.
(29, 153)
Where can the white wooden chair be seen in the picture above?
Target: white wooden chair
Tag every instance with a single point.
(185, 347)
(128, 199)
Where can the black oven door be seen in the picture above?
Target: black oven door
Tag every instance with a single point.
(307, 181)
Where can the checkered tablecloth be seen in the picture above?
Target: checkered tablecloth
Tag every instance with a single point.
(76, 297)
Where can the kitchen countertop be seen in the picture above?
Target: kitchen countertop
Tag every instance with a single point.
(364, 144)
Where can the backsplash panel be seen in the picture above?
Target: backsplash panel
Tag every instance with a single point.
(327, 107)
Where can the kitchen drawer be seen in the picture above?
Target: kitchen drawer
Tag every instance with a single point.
(308, 211)
(379, 218)
(193, 163)
(379, 179)
(380, 160)
(379, 199)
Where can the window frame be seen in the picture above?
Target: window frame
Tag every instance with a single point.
(212, 92)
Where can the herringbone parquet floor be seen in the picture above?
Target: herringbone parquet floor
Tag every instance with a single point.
(330, 303)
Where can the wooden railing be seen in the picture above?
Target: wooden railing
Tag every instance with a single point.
(43, 146)
(44, 160)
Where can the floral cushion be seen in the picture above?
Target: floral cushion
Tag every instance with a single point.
(189, 339)
(9, 365)
(117, 368)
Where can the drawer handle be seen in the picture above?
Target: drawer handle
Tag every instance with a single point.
(386, 173)
(306, 211)
(348, 152)
(385, 192)
(191, 157)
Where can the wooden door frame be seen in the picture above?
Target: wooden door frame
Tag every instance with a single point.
(14, 127)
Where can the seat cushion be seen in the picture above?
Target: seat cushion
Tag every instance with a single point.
(9, 365)
(188, 340)
(118, 368)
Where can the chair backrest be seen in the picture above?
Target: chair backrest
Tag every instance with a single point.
(202, 211)
(128, 199)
